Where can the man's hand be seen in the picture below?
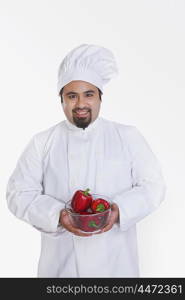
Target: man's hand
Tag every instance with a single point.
(113, 218)
(66, 223)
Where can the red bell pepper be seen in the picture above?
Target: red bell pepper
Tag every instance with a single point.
(89, 224)
(81, 200)
(99, 205)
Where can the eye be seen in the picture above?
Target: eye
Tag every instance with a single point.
(72, 96)
(89, 95)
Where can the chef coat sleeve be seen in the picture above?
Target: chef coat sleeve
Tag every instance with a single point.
(148, 185)
(25, 194)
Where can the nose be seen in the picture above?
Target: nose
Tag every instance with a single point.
(81, 102)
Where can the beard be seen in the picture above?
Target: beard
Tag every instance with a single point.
(80, 121)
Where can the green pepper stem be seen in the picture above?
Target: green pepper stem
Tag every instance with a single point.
(86, 192)
(100, 207)
(92, 224)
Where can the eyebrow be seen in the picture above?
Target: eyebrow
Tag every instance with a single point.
(74, 93)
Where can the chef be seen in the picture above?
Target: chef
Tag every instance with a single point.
(86, 151)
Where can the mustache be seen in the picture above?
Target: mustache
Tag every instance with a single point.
(81, 109)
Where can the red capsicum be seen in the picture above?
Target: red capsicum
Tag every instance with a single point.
(99, 205)
(81, 200)
(89, 224)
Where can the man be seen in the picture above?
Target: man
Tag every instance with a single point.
(86, 151)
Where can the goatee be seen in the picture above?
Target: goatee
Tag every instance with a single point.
(82, 122)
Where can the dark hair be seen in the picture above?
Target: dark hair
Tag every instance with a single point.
(99, 91)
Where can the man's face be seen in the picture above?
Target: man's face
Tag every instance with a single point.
(81, 102)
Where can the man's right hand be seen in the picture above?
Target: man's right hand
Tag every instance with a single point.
(66, 223)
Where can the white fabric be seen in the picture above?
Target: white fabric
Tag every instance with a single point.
(109, 158)
(90, 63)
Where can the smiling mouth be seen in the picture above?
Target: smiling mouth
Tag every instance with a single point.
(81, 113)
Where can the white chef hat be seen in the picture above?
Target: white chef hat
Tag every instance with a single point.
(90, 63)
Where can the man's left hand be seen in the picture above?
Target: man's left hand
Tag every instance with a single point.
(113, 218)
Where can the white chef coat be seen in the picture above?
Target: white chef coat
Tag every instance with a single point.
(107, 157)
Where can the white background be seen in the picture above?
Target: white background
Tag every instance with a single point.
(148, 40)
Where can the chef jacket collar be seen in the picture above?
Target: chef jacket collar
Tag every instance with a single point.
(74, 128)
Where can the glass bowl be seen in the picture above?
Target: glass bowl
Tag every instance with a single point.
(89, 223)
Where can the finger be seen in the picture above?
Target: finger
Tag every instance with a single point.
(66, 223)
(107, 227)
(98, 232)
(114, 207)
(63, 216)
(110, 224)
(111, 220)
(76, 231)
(80, 233)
